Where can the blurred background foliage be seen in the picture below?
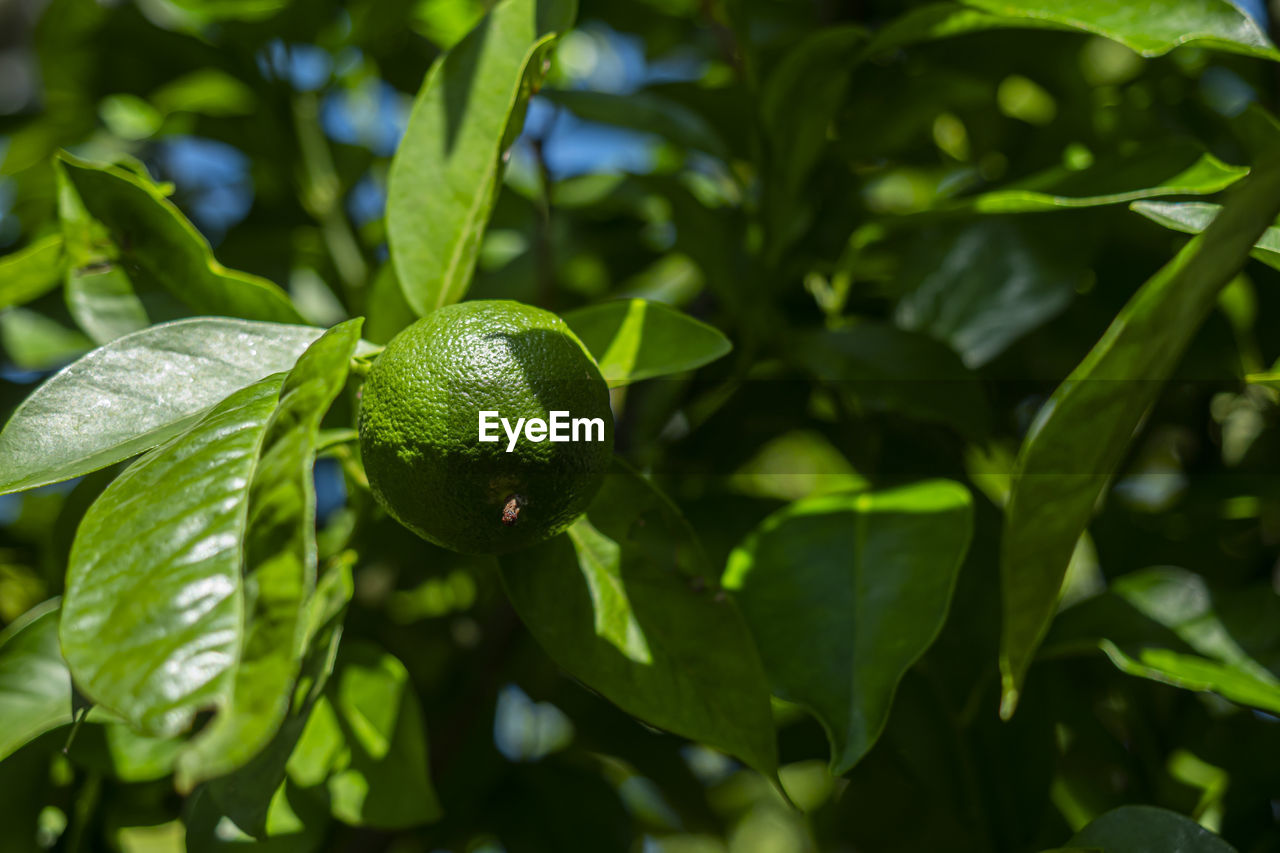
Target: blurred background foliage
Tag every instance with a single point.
(737, 160)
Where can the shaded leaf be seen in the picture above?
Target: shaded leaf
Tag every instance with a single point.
(159, 248)
(615, 602)
(876, 367)
(37, 342)
(1147, 829)
(984, 286)
(364, 743)
(1192, 217)
(31, 272)
(35, 687)
(103, 303)
(866, 578)
(153, 615)
(1162, 624)
(634, 339)
(136, 392)
(279, 564)
(1081, 434)
(445, 173)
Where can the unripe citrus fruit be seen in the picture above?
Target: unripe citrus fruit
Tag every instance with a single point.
(419, 426)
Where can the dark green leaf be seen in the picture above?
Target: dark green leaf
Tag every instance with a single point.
(1083, 431)
(35, 688)
(161, 249)
(364, 742)
(984, 286)
(1162, 624)
(445, 174)
(136, 392)
(621, 602)
(879, 368)
(279, 565)
(153, 616)
(867, 578)
(633, 339)
(32, 272)
(1147, 829)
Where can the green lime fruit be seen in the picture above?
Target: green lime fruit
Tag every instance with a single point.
(421, 416)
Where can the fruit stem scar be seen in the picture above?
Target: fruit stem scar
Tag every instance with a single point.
(511, 510)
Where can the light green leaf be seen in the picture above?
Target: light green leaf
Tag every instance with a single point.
(644, 112)
(364, 742)
(1151, 28)
(1082, 432)
(207, 91)
(622, 603)
(153, 615)
(160, 249)
(1164, 624)
(1147, 829)
(866, 578)
(279, 565)
(1192, 217)
(1173, 170)
(37, 342)
(445, 174)
(103, 303)
(136, 392)
(35, 687)
(31, 272)
(633, 339)
(876, 367)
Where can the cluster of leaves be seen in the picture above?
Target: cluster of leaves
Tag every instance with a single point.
(967, 542)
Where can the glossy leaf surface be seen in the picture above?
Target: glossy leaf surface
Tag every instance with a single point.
(634, 339)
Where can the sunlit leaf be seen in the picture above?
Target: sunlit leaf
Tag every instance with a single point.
(1192, 217)
(31, 272)
(364, 743)
(153, 615)
(623, 602)
(35, 687)
(445, 173)
(867, 578)
(136, 392)
(159, 248)
(279, 565)
(634, 339)
(1081, 434)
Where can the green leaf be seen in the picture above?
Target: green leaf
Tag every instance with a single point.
(37, 342)
(137, 392)
(364, 743)
(1192, 217)
(620, 601)
(633, 339)
(103, 303)
(1082, 432)
(160, 249)
(867, 578)
(876, 367)
(982, 287)
(153, 615)
(1147, 829)
(644, 112)
(1151, 28)
(1164, 624)
(445, 174)
(1173, 170)
(31, 272)
(279, 565)
(35, 687)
